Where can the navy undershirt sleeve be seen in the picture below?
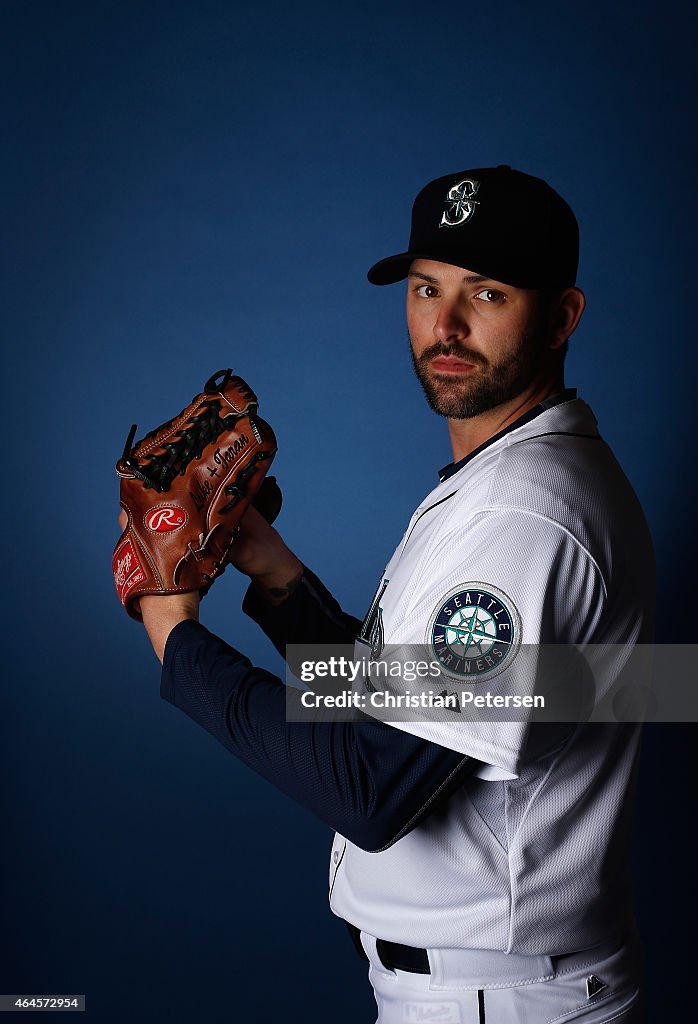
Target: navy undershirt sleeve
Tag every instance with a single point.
(367, 780)
(310, 615)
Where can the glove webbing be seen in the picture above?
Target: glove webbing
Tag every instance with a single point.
(159, 470)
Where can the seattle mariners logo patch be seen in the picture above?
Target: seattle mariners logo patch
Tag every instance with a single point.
(476, 632)
(460, 204)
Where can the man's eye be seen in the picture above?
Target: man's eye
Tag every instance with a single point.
(490, 295)
(427, 291)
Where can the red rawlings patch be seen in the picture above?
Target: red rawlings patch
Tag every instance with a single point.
(164, 518)
(127, 569)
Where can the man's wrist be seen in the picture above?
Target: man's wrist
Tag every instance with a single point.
(161, 613)
(279, 583)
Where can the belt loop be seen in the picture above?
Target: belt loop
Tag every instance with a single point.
(356, 939)
(369, 944)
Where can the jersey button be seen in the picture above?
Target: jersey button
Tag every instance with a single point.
(335, 856)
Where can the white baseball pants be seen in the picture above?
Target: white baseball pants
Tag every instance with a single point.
(597, 986)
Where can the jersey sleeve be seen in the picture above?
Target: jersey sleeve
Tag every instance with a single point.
(508, 580)
(310, 615)
(368, 781)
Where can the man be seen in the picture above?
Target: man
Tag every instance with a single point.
(480, 865)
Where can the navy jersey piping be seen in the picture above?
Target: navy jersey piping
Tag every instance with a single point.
(560, 433)
(549, 403)
(425, 510)
(336, 872)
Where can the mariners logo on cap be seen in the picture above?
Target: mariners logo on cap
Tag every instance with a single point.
(460, 204)
(476, 632)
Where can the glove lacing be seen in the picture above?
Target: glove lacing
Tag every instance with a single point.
(158, 470)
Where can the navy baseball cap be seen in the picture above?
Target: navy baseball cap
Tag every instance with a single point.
(495, 221)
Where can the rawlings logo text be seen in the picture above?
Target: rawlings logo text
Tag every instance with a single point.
(127, 570)
(123, 567)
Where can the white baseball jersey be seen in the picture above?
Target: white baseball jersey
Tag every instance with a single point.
(537, 537)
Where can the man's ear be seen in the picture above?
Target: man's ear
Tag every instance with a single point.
(565, 314)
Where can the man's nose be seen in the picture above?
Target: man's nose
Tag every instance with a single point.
(451, 322)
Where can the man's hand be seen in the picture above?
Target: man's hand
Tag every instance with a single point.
(259, 552)
(185, 487)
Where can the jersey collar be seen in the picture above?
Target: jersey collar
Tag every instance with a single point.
(562, 396)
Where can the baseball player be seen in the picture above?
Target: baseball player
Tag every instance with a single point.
(481, 866)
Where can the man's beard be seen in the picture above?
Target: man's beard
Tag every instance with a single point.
(479, 390)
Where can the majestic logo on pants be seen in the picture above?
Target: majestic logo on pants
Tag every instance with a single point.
(476, 632)
(460, 204)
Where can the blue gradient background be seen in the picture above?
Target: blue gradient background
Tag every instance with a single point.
(188, 186)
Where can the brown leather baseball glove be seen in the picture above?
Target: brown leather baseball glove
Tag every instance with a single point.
(185, 487)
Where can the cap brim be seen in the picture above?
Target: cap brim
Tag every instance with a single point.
(396, 268)
(392, 268)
